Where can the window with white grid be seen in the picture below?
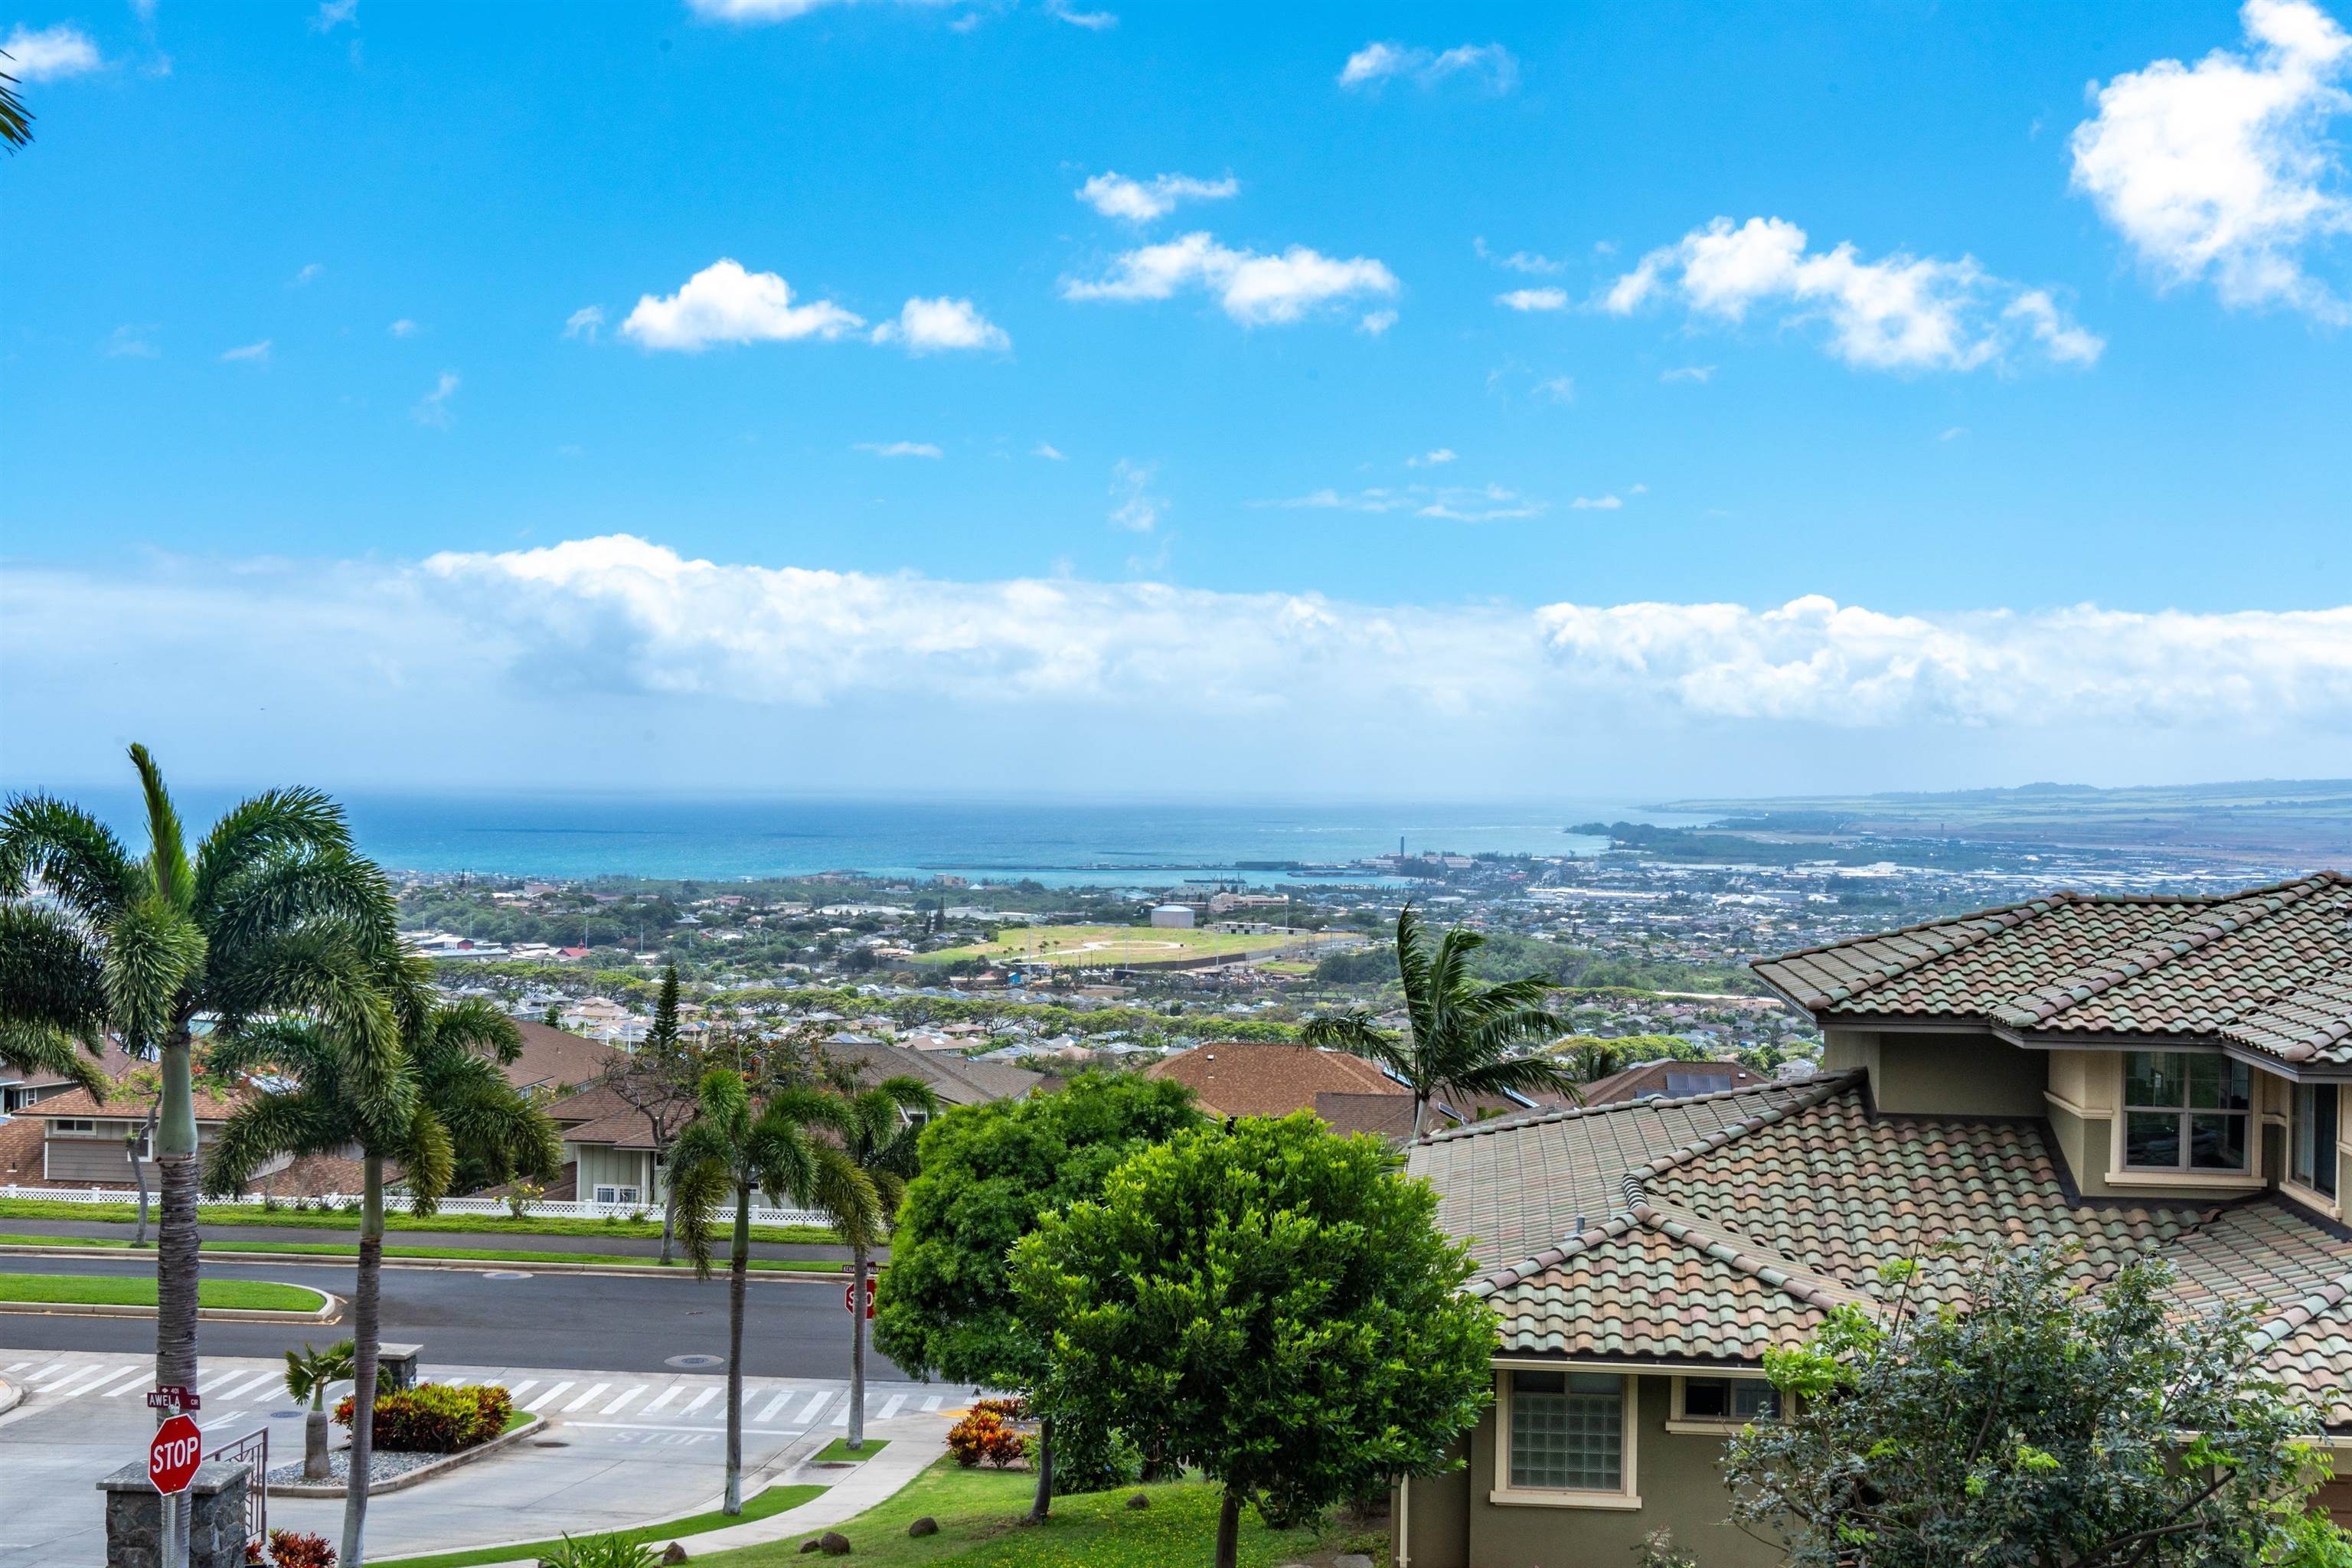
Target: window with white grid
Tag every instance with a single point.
(1568, 1431)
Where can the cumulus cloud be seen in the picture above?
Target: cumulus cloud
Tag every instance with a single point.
(1047, 450)
(1596, 503)
(899, 448)
(1701, 374)
(1448, 503)
(1435, 457)
(1113, 195)
(584, 322)
(309, 271)
(1253, 289)
(1903, 312)
(403, 328)
(1517, 260)
(432, 409)
(332, 13)
(1490, 65)
(51, 53)
(1534, 299)
(2224, 170)
(250, 354)
(1134, 506)
(1092, 21)
(724, 304)
(933, 326)
(1372, 323)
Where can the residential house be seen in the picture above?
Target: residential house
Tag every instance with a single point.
(1352, 1094)
(71, 1139)
(1648, 1080)
(2122, 1075)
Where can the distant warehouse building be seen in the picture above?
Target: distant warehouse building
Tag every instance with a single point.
(1176, 916)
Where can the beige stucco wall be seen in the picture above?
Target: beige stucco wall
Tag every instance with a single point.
(1452, 1523)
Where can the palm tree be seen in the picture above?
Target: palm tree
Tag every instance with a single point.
(15, 120)
(1590, 1061)
(1461, 1037)
(309, 1376)
(273, 915)
(878, 1130)
(729, 1151)
(441, 1099)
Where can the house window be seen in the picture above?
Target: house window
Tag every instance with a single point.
(1734, 1401)
(604, 1195)
(2185, 1113)
(73, 1127)
(1568, 1432)
(624, 1195)
(2313, 1131)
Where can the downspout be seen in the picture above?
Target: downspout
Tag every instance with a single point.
(1404, 1523)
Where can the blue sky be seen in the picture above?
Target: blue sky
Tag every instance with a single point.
(378, 372)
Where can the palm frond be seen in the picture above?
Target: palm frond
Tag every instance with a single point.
(36, 1048)
(15, 120)
(67, 850)
(429, 1163)
(474, 1023)
(294, 1122)
(297, 1047)
(1524, 1074)
(153, 952)
(51, 974)
(269, 826)
(168, 873)
(700, 1185)
(846, 1192)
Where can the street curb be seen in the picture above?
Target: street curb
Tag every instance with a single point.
(12, 1394)
(639, 1271)
(328, 1311)
(441, 1466)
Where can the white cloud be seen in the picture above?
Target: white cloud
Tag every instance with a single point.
(928, 326)
(1519, 260)
(899, 448)
(1113, 195)
(250, 353)
(1450, 503)
(2224, 170)
(1092, 21)
(50, 54)
(348, 670)
(724, 304)
(129, 342)
(1134, 506)
(1953, 433)
(1376, 63)
(754, 11)
(1049, 450)
(1432, 459)
(432, 409)
(1255, 289)
(1534, 299)
(1596, 503)
(1701, 374)
(1904, 312)
(1374, 322)
(584, 322)
(403, 328)
(333, 14)
(310, 270)
(1557, 388)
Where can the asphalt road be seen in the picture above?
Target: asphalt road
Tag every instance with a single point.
(618, 1323)
(618, 1245)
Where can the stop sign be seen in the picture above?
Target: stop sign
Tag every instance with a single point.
(173, 1457)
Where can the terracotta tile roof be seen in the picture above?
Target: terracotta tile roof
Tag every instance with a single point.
(1512, 1187)
(1233, 1080)
(2270, 961)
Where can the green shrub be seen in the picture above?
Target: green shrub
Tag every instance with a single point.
(600, 1551)
(432, 1418)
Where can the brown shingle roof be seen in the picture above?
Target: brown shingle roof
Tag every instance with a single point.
(556, 1058)
(1230, 1078)
(1651, 1079)
(78, 1103)
(2190, 968)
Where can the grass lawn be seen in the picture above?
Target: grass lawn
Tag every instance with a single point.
(392, 1250)
(336, 1219)
(839, 1449)
(978, 1513)
(83, 1289)
(774, 1501)
(1091, 945)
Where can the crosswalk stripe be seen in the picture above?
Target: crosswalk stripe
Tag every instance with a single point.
(125, 1388)
(593, 1394)
(549, 1397)
(519, 1389)
(135, 1374)
(68, 1389)
(664, 1397)
(16, 1366)
(841, 1416)
(783, 1396)
(622, 1400)
(58, 1374)
(816, 1407)
(890, 1406)
(238, 1386)
(701, 1399)
(930, 1404)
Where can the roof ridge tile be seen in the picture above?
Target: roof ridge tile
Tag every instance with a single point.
(2004, 917)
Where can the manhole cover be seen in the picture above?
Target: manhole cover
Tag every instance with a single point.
(695, 1363)
(284, 1414)
(550, 1443)
(506, 1274)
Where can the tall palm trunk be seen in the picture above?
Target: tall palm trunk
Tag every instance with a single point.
(367, 1303)
(739, 1274)
(856, 1349)
(176, 1233)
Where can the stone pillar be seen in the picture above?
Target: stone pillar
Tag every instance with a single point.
(395, 1367)
(134, 1517)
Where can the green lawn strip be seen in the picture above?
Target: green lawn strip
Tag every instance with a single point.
(101, 1291)
(773, 1500)
(338, 1219)
(515, 1418)
(978, 1514)
(459, 1254)
(839, 1449)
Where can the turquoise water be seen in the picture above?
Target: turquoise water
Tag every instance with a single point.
(1056, 843)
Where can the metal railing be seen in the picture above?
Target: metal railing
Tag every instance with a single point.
(397, 1203)
(252, 1451)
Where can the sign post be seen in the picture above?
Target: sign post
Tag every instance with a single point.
(172, 1456)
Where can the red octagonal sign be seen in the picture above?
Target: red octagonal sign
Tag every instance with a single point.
(173, 1457)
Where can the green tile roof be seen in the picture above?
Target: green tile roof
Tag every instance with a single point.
(2273, 964)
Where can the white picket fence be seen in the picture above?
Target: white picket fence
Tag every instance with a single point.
(398, 1202)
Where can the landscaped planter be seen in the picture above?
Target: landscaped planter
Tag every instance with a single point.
(392, 1471)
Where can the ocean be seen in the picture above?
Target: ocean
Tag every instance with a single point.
(1059, 844)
